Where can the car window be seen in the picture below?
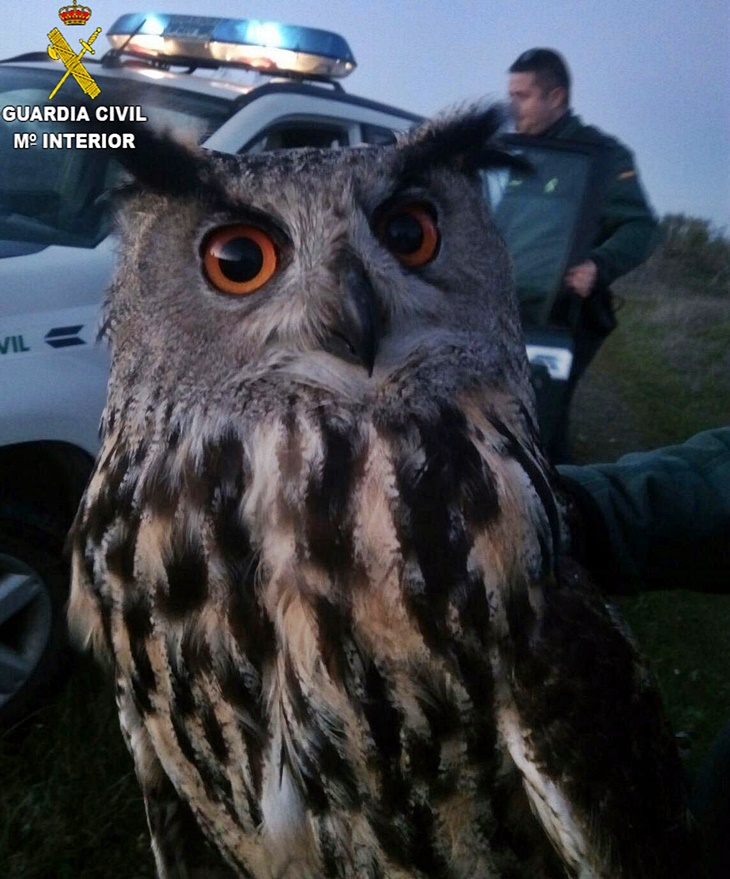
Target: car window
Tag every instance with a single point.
(377, 135)
(537, 213)
(58, 196)
(293, 134)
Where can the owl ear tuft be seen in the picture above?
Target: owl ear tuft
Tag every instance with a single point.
(161, 162)
(157, 160)
(464, 140)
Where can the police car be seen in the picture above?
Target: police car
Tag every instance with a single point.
(233, 85)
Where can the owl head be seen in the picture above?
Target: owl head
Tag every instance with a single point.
(344, 269)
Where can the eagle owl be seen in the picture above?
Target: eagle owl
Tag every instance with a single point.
(321, 548)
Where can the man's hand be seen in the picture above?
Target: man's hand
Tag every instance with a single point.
(581, 278)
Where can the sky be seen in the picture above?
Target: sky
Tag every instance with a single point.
(654, 73)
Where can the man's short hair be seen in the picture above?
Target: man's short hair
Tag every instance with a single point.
(548, 66)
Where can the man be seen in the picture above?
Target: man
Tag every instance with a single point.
(539, 93)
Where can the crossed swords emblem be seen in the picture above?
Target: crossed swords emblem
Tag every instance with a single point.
(60, 50)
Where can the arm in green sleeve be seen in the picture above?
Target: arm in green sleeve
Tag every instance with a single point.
(629, 231)
(658, 519)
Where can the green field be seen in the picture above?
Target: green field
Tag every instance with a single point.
(663, 376)
(70, 806)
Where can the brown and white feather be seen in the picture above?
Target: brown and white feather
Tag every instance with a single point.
(346, 642)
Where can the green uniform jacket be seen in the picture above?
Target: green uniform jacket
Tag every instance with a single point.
(628, 229)
(657, 519)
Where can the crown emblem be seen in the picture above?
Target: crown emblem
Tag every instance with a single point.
(74, 14)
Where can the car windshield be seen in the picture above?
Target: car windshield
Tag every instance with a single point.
(59, 195)
(537, 213)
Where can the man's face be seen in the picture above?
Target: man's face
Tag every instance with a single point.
(532, 109)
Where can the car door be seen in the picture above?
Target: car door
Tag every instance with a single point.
(548, 217)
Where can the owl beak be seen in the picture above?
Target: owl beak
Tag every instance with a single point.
(355, 334)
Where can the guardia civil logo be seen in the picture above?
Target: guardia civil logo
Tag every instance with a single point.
(59, 50)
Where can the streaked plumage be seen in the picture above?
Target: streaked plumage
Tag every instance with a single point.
(322, 550)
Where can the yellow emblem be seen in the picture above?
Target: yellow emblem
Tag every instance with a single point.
(60, 50)
(74, 14)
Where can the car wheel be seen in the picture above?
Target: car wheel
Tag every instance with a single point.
(33, 640)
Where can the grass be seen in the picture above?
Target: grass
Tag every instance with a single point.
(686, 636)
(70, 805)
(670, 359)
(661, 377)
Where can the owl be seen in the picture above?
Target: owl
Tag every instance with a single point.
(322, 552)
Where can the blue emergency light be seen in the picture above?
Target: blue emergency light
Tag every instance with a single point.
(265, 46)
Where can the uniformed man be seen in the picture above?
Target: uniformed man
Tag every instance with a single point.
(539, 93)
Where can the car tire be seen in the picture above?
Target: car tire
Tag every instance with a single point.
(34, 655)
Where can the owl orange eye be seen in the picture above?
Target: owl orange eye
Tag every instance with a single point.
(238, 259)
(410, 233)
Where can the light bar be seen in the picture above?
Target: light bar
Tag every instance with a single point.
(266, 46)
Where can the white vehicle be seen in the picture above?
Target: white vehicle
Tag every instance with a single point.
(56, 260)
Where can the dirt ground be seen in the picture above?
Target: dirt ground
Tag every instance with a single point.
(602, 427)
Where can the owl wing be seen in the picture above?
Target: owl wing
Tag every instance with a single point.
(180, 849)
(156, 542)
(577, 707)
